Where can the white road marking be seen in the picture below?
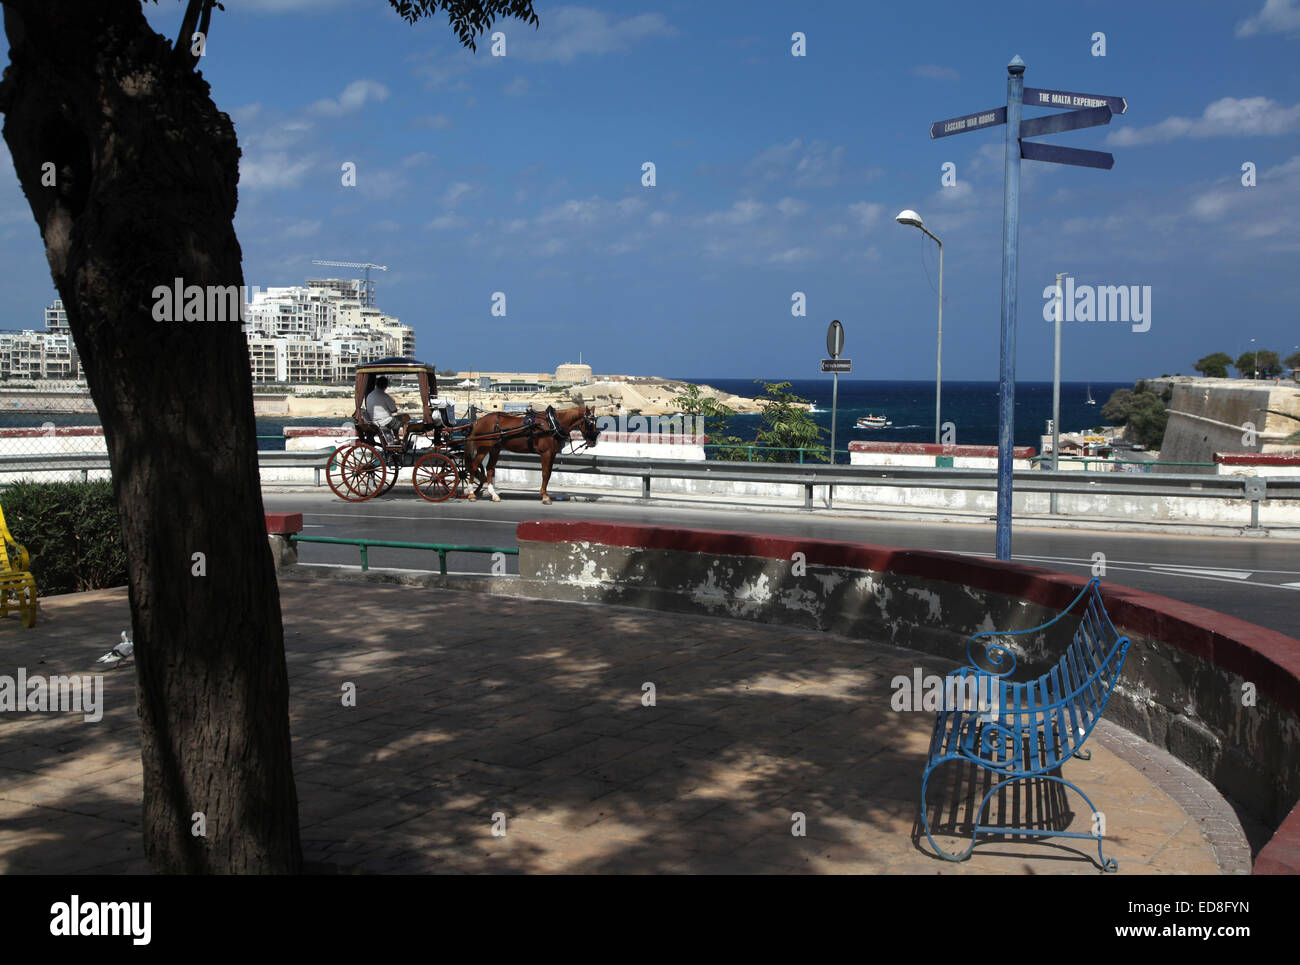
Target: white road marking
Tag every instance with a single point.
(1202, 571)
(1292, 586)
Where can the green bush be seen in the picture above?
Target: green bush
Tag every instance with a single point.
(71, 531)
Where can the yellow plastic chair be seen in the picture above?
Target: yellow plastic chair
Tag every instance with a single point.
(17, 585)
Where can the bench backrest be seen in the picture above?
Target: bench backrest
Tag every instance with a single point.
(1067, 701)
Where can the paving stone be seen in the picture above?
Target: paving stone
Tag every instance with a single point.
(540, 719)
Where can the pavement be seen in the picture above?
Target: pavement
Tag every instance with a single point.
(498, 734)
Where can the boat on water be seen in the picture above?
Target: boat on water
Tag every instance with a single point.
(872, 422)
(1091, 400)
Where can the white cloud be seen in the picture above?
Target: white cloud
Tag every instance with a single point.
(742, 212)
(272, 170)
(1277, 17)
(866, 213)
(572, 32)
(658, 218)
(791, 256)
(591, 211)
(303, 229)
(457, 191)
(816, 166)
(791, 207)
(354, 97)
(517, 87)
(445, 222)
(1226, 117)
(419, 157)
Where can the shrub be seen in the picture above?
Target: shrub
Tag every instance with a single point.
(71, 531)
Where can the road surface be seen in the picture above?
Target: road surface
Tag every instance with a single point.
(1254, 579)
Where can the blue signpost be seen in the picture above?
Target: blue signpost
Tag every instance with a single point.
(1091, 110)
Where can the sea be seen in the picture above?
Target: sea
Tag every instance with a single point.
(972, 408)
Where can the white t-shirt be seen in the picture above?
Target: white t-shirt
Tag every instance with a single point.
(381, 406)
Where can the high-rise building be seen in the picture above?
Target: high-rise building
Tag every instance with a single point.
(48, 354)
(320, 331)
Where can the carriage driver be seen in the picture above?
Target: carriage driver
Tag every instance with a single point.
(383, 410)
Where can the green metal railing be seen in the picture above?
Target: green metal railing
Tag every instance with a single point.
(442, 549)
(749, 450)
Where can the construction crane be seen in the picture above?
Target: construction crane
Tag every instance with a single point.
(368, 289)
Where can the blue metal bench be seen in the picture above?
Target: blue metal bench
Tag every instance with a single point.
(1026, 731)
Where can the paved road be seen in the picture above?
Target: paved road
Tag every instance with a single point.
(1254, 579)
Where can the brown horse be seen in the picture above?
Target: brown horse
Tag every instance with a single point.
(513, 433)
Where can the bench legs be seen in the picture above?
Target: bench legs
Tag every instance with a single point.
(1107, 864)
(24, 599)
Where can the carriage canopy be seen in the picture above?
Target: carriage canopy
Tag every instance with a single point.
(425, 373)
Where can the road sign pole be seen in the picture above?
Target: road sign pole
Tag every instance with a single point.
(938, 359)
(1056, 388)
(835, 401)
(1010, 257)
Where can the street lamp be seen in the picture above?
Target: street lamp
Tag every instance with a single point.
(1254, 361)
(910, 217)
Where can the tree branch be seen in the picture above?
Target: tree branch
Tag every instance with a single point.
(181, 52)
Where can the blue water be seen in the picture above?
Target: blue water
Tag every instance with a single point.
(972, 407)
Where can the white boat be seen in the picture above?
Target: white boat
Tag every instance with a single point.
(872, 422)
(1091, 400)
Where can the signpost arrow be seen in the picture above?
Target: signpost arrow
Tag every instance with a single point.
(1036, 97)
(969, 122)
(1038, 151)
(1069, 121)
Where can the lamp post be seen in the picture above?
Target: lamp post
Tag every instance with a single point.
(1254, 361)
(910, 217)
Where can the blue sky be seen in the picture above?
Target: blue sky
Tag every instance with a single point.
(775, 174)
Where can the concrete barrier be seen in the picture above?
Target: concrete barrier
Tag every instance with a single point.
(1220, 694)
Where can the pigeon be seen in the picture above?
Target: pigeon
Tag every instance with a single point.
(118, 653)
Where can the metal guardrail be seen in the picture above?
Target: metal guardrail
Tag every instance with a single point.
(442, 549)
(87, 461)
(1255, 489)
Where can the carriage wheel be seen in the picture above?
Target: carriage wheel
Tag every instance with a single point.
(356, 472)
(436, 477)
(393, 467)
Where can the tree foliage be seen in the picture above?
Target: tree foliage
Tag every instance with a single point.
(1262, 361)
(1142, 411)
(1214, 366)
(787, 426)
(1292, 361)
(716, 416)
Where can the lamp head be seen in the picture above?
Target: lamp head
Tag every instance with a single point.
(909, 217)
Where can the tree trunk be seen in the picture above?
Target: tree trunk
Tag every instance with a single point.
(146, 170)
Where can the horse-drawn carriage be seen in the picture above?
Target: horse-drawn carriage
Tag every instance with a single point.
(441, 451)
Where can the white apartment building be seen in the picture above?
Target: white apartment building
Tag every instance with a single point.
(51, 354)
(320, 331)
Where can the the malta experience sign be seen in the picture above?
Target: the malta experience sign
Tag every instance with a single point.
(1089, 110)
